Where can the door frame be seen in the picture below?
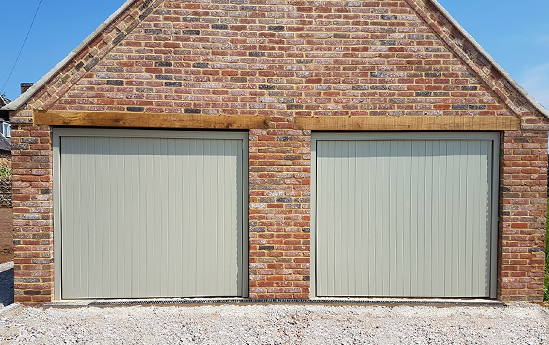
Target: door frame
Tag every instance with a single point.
(427, 135)
(58, 133)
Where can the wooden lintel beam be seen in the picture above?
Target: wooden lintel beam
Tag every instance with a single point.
(408, 123)
(148, 120)
(328, 123)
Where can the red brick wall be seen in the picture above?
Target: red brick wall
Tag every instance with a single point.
(33, 213)
(6, 234)
(284, 59)
(279, 211)
(523, 194)
(6, 219)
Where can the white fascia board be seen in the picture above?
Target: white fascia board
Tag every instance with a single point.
(22, 99)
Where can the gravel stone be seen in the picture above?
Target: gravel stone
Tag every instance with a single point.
(520, 323)
(276, 324)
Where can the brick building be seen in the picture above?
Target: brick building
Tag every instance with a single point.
(6, 219)
(278, 149)
(6, 233)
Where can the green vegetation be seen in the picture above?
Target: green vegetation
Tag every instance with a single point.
(546, 281)
(5, 172)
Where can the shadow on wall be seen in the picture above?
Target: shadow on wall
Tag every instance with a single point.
(6, 231)
(6, 287)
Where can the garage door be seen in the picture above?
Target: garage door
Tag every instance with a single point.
(143, 214)
(405, 215)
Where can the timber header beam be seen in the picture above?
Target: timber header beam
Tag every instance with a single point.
(328, 123)
(408, 123)
(147, 120)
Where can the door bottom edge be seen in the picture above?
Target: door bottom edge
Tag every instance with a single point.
(247, 301)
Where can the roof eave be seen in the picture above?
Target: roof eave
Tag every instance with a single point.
(500, 69)
(23, 98)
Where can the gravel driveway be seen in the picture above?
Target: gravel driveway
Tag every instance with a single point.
(522, 324)
(276, 324)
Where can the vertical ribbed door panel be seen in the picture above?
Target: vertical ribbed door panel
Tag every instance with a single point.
(403, 218)
(150, 217)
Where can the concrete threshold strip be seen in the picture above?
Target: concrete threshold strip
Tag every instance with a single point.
(390, 302)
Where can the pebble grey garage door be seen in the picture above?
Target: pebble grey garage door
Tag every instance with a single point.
(405, 215)
(143, 214)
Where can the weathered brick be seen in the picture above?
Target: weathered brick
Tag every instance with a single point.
(119, 38)
(378, 87)
(239, 79)
(163, 64)
(201, 65)
(294, 106)
(190, 19)
(145, 13)
(220, 26)
(173, 84)
(105, 75)
(286, 100)
(468, 75)
(153, 31)
(378, 74)
(477, 107)
(91, 64)
(163, 77)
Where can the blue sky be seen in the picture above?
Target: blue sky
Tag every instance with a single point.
(515, 34)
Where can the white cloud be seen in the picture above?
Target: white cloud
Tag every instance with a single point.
(536, 81)
(543, 39)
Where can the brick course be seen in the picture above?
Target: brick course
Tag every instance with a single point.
(284, 59)
(523, 195)
(279, 211)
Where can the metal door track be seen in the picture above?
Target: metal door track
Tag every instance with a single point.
(247, 301)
